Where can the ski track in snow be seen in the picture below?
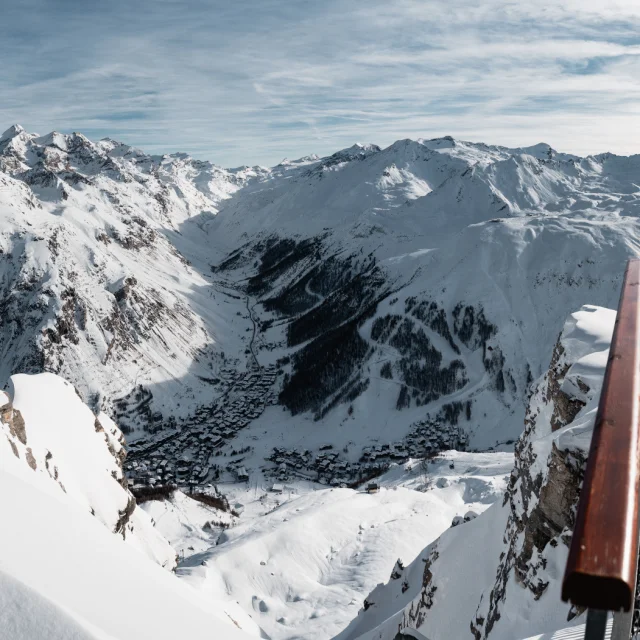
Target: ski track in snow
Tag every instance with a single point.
(311, 554)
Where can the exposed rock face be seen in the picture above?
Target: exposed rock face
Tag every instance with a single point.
(417, 613)
(116, 449)
(124, 516)
(565, 407)
(554, 513)
(14, 420)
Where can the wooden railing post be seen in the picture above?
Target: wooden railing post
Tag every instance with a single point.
(603, 559)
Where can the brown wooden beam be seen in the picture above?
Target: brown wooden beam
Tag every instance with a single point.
(602, 564)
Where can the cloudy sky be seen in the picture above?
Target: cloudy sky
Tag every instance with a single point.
(254, 81)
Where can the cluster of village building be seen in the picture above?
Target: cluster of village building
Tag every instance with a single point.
(426, 438)
(200, 450)
(429, 436)
(189, 455)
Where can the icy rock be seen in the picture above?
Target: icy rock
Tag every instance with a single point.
(396, 574)
(457, 520)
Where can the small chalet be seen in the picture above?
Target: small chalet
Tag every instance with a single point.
(242, 474)
(373, 487)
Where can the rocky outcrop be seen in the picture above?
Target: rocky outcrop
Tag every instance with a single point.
(17, 433)
(565, 407)
(14, 421)
(415, 616)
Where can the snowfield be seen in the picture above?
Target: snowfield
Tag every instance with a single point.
(302, 561)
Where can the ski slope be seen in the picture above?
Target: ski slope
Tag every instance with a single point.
(301, 562)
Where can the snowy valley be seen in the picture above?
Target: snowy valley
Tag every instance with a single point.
(264, 343)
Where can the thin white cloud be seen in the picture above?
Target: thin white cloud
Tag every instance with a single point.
(253, 81)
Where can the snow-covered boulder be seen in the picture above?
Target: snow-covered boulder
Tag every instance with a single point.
(51, 438)
(499, 575)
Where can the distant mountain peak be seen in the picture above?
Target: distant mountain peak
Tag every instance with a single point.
(446, 142)
(12, 132)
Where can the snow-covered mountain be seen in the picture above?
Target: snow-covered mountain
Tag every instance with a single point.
(312, 322)
(437, 272)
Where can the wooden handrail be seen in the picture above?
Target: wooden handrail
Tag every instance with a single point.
(602, 564)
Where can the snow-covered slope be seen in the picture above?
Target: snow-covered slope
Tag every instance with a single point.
(66, 571)
(52, 438)
(499, 575)
(190, 526)
(302, 561)
(44, 619)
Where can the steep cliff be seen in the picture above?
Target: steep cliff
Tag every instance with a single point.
(79, 559)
